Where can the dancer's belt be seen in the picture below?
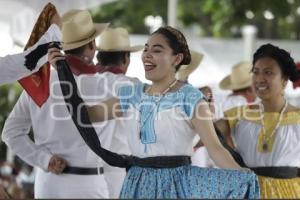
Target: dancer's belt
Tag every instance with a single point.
(83, 170)
(277, 172)
(159, 161)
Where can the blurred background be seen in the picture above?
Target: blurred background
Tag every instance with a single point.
(225, 31)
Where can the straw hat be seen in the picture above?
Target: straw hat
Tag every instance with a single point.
(78, 29)
(185, 70)
(116, 39)
(239, 78)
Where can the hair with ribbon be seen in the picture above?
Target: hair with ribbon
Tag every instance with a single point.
(177, 42)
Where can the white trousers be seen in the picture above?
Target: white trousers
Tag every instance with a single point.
(52, 186)
(114, 177)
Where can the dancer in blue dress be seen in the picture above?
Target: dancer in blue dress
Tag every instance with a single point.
(162, 120)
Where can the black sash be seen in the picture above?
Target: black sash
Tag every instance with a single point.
(160, 161)
(88, 133)
(236, 156)
(277, 172)
(32, 58)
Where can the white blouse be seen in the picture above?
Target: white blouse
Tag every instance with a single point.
(163, 129)
(247, 135)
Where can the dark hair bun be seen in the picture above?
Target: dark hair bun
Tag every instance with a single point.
(282, 57)
(177, 42)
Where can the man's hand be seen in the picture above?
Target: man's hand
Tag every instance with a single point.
(57, 164)
(54, 55)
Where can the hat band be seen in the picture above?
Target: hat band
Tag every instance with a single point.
(82, 39)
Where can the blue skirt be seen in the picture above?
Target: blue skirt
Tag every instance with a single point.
(189, 182)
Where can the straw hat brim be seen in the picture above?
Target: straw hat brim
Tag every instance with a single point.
(226, 84)
(134, 48)
(99, 28)
(185, 70)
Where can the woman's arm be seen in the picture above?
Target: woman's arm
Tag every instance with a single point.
(105, 110)
(202, 122)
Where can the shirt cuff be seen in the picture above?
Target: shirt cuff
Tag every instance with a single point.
(45, 159)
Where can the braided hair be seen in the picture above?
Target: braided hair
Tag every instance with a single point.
(177, 42)
(282, 57)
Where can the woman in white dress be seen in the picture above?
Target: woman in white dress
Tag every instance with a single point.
(163, 119)
(267, 135)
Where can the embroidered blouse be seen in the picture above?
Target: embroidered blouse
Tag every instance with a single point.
(247, 133)
(159, 125)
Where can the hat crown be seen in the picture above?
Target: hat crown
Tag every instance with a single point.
(239, 78)
(77, 26)
(241, 73)
(116, 39)
(185, 70)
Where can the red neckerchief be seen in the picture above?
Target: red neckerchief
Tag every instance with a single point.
(78, 67)
(114, 69)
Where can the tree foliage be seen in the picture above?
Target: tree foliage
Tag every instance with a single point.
(130, 14)
(9, 95)
(217, 18)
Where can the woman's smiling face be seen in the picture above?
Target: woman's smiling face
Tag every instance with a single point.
(268, 80)
(158, 58)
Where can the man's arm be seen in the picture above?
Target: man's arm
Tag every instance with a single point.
(12, 67)
(15, 135)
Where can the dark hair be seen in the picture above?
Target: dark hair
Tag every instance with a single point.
(112, 58)
(78, 51)
(282, 57)
(177, 42)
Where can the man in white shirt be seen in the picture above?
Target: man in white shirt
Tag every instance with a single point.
(67, 168)
(13, 67)
(240, 83)
(113, 56)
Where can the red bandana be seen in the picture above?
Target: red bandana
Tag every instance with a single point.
(114, 70)
(79, 67)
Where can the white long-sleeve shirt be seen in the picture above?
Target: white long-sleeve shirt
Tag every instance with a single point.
(12, 67)
(53, 129)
